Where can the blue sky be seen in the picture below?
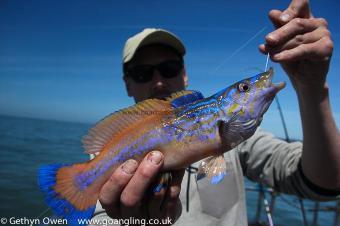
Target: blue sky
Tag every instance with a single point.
(62, 59)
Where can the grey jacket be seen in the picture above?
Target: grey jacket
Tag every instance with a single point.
(262, 158)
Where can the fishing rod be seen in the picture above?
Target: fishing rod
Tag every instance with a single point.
(282, 118)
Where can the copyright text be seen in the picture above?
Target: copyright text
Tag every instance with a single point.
(32, 221)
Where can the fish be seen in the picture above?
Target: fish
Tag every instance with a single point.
(185, 127)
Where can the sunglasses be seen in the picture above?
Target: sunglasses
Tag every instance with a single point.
(144, 73)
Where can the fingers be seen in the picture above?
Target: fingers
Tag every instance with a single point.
(135, 190)
(297, 8)
(172, 206)
(155, 203)
(157, 197)
(301, 43)
(295, 27)
(320, 50)
(166, 203)
(296, 41)
(274, 16)
(109, 195)
(122, 194)
(299, 39)
(175, 184)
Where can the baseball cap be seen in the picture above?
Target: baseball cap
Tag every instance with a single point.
(151, 36)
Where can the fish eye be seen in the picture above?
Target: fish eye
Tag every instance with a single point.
(243, 87)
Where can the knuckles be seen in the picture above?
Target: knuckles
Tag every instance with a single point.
(118, 180)
(327, 45)
(325, 32)
(129, 200)
(299, 23)
(104, 201)
(322, 22)
(174, 192)
(302, 24)
(299, 38)
(146, 173)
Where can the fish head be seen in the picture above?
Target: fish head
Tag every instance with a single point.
(252, 97)
(245, 102)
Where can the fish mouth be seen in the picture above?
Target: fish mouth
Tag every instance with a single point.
(271, 90)
(274, 88)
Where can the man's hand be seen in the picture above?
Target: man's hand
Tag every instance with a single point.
(127, 193)
(301, 43)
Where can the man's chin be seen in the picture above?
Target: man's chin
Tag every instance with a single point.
(160, 96)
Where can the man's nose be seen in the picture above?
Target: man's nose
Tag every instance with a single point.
(157, 79)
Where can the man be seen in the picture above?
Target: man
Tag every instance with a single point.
(302, 45)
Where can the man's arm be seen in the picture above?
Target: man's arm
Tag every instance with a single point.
(276, 163)
(302, 45)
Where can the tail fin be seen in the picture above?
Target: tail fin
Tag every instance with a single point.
(60, 184)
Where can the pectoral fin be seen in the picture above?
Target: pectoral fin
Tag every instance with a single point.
(233, 132)
(214, 168)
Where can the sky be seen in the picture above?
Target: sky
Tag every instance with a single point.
(61, 60)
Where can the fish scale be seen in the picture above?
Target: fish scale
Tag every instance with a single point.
(185, 127)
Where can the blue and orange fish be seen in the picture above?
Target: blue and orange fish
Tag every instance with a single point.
(185, 127)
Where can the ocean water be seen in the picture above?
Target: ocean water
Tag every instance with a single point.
(26, 144)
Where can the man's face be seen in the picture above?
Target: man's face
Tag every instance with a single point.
(158, 87)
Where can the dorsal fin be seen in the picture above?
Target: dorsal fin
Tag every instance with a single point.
(184, 97)
(114, 123)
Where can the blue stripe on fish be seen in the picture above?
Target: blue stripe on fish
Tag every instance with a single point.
(186, 99)
(192, 110)
(87, 178)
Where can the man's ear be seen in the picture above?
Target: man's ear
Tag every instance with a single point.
(185, 78)
(127, 85)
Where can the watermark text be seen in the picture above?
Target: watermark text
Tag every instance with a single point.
(93, 221)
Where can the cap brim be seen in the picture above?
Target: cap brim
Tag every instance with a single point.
(158, 36)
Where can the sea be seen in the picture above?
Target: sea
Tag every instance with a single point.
(26, 144)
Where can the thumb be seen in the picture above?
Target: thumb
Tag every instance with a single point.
(297, 8)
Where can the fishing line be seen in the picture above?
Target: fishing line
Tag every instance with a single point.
(266, 205)
(279, 107)
(238, 50)
(265, 68)
(265, 201)
(42, 213)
